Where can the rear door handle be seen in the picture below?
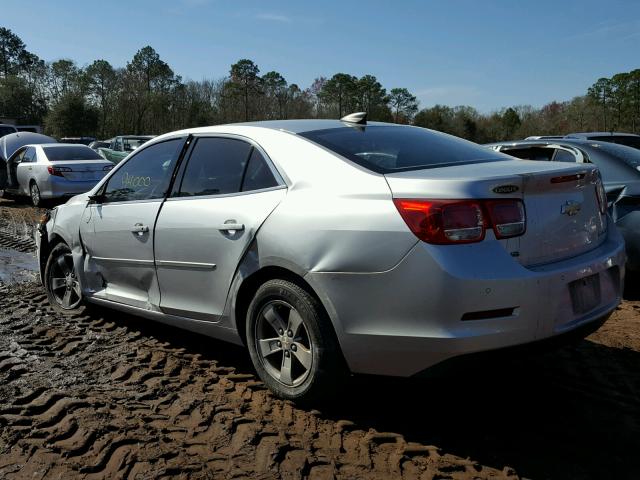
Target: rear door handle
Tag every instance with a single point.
(231, 226)
(140, 229)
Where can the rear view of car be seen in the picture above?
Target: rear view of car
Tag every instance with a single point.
(64, 170)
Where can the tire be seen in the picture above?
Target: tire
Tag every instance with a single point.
(34, 193)
(311, 366)
(60, 274)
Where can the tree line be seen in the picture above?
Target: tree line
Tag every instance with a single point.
(147, 96)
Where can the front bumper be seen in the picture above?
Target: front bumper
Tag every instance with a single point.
(409, 318)
(629, 227)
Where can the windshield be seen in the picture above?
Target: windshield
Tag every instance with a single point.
(628, 155)
(386, 149)
(620, 140)
(70, 153)
(130, 144)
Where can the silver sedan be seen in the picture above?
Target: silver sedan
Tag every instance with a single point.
(328, 247)
(53, 170)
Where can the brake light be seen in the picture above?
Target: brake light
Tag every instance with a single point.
(58, 171)
(462, 221)
(601, 194)
(507, 217)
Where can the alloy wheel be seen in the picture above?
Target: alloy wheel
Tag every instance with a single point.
(35, 194)
(283, 343)
(63, 282)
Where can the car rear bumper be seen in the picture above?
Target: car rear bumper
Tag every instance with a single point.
(59, 187)
(409, 318)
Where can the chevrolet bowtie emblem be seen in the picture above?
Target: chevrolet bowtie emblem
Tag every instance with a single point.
(571, 208)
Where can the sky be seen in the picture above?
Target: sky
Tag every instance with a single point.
(485, 53)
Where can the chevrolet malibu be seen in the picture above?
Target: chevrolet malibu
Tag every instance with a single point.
(328, 247)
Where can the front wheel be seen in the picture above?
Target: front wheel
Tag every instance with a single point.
(61, 281)
(292, 344)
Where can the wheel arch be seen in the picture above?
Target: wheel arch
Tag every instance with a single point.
(250, 285)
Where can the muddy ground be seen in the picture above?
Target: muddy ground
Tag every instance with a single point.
(107, 395)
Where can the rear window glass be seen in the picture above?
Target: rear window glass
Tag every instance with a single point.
(70, 153)
(628, 155)
(620, 140)
(386, 149)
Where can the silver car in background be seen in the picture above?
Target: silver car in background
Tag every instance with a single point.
(54, 170)
(329, 247)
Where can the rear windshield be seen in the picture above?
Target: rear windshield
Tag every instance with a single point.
(386, 149)
(70, 153)
(620, 140)
(628, 155)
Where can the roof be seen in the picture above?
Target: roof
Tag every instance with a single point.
(300, 126)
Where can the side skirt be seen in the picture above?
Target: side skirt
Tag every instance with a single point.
(202, 327)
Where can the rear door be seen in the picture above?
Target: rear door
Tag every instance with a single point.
(118, 231)
(227, 190)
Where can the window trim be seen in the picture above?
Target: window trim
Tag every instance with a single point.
(187, 157)
(101, 189)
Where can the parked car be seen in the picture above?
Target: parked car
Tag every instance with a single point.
(79, 140)
(96, 144)
(9, 144)
(628, 139)
(122, 146)
(620, 169)
(53, 170)
(329, 246)
(6, 129)
(543, 137)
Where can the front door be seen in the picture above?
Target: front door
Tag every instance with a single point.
(226, 192)
(117, 231)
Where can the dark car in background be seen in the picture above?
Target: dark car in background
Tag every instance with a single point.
(620, 169)
(78, 140)
(6, 129)
(628, 139)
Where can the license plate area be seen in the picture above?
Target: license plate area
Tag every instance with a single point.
(585, 294)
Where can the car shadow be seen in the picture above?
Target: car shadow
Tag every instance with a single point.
(572, 412)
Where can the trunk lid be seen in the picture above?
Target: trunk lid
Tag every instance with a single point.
(561, 202)
(84, 170)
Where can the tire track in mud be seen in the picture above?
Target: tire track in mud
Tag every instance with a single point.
(84, 396)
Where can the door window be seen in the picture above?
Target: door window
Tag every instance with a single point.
(117, 145)
(216, 167)
(29, 155)
(146, 175)
(258, 174)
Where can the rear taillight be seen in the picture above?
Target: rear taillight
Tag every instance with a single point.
(507, 217)
(462, 221)
(601, 194)
(58, 171)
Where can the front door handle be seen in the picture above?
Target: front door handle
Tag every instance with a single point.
(231, 226)
(140, 229)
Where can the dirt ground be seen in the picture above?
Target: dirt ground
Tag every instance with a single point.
(107, 395)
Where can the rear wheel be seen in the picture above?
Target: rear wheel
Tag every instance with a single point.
(34, 193)
(61, 280)
(292, 344)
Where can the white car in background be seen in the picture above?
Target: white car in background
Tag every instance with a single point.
(53, 170)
